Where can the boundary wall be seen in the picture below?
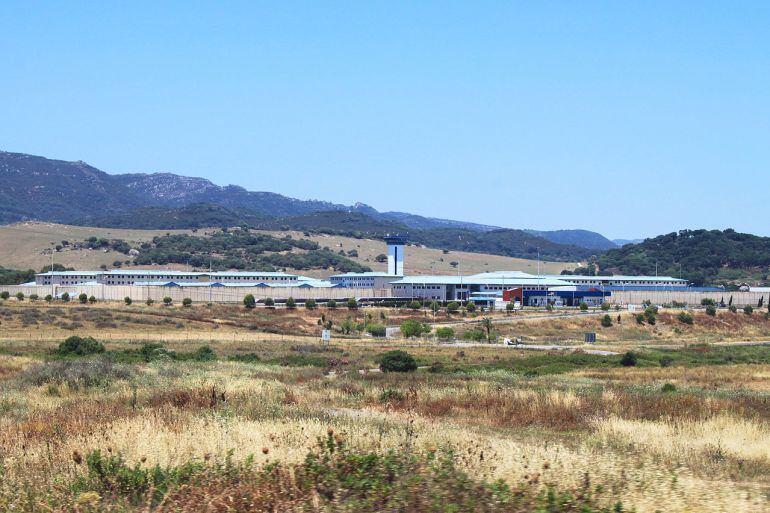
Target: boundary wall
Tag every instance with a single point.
(659, 297)
(197, 294)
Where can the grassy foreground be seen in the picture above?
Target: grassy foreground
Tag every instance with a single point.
(286, 425)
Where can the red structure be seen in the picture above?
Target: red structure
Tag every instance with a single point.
(516, 294)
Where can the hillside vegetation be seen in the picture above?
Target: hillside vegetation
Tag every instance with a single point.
(196, 215)
(505, 242)
(239, 249)
(37, 188)
(702, 256)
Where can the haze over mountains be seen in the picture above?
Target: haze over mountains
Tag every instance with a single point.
(38, 188)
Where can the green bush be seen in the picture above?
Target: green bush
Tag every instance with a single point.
(249, 301)
(650, 315)
(666, 361)
(20, 296)
(413, 328)
(108, 474)
(350, 480)
(290, 303)
(733, 308)
(474, 336)
(352, 303)
(152, 352)
(629, 359)
(127, 300)
(83, 298)
(470, 307)
(605, 306)
(92, 299)
(48, 298)
(80, 346)
(583, 306)
(748, 310)
(397, 361)
(5, 294)
(639, 318)
(390, 395)
(707, 302)
(414, 305)
(268, 302)
(445, 333)
(34, 297)
(332, 304)
(376, 330)
(685, 318)
(187, 302)
(310, 304)
(711, 310)
(65, 297)
(668, 388)
(453, 307)
(606, 321)
(204, 354)
(167, 300)
(149, 302)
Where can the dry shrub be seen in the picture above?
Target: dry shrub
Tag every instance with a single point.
(563, 411)
(77, 374)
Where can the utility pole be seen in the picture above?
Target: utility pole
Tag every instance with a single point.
(52, 290)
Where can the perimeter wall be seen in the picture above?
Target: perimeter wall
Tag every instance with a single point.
(197, 294)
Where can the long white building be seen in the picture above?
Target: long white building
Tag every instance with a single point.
(144, 276)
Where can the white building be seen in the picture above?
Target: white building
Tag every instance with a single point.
(449, 288)
(144, 276)
(374, 280)
(622, 281)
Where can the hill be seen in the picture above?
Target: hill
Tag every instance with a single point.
(701, 256)
(623, 242)
(196, 215)
(29, 246)
(505, 242)
(353, 224)
(581, 238)
(37, 188)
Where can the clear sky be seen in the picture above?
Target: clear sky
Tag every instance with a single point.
(628, 118)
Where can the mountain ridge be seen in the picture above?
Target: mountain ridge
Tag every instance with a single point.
(37, 188)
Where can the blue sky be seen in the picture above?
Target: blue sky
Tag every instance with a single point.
(628, 118)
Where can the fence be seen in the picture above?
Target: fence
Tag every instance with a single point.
(197, 294)
(660, 297)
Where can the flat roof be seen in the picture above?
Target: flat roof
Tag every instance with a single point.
(70, 273)
(368, 274)
(616, 277)
(503, 274)
(472, 280)
(251, 273)
(169, 272)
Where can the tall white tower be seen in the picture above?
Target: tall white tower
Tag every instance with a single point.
(395, 254)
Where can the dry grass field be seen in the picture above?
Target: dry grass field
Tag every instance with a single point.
(28, 245)
(421, 260)
(275, 422)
